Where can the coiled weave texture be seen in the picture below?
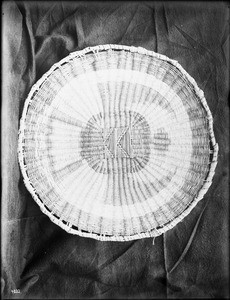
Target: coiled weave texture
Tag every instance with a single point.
(117, 143)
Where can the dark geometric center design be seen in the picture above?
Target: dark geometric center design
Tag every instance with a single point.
(115, 143)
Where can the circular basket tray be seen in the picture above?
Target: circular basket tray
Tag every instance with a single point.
(117, 143)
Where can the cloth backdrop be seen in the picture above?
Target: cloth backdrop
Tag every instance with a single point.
(41, 260)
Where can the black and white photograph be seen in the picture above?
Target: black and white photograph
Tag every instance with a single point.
(115, 150)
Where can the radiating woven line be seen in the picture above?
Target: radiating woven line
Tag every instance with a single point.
(144, 61)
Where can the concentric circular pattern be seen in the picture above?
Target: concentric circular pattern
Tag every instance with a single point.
(115, 143)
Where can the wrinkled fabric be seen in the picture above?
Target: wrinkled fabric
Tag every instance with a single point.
(43, 261)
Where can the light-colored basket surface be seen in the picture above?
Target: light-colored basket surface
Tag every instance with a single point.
(117, 143)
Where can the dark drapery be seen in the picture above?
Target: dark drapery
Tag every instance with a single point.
(38, 257)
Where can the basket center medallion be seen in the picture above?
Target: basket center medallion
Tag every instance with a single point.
(116, 143)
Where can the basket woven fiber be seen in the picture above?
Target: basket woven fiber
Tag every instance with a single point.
(117, 143)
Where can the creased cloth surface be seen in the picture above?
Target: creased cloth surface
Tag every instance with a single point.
(42, 260)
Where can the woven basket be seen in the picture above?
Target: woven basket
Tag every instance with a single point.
(117, 143)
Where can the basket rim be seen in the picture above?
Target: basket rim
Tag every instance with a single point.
(155, 231)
